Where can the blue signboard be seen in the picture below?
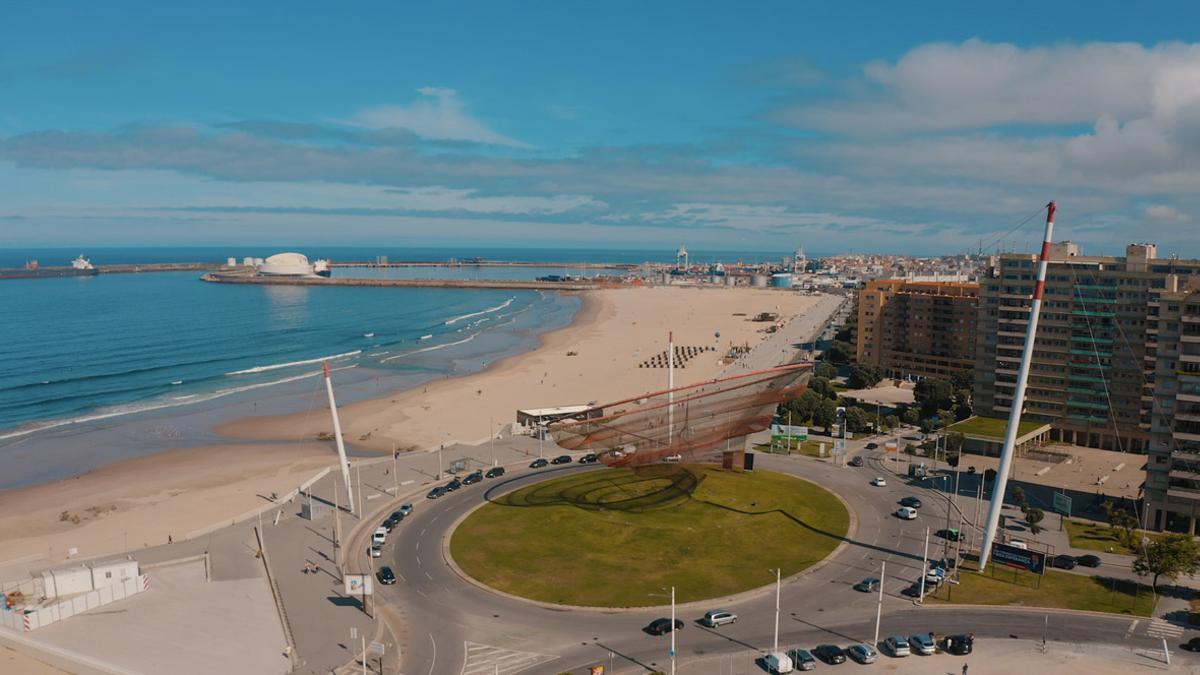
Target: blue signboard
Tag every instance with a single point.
(1014, 556)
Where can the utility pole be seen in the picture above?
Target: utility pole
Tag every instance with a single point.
(441, 447)
(975, 531)
(778, 574)
(879, 607)
(670, 387)
(395, 476)
(343, 463)
(358, 470)
(337, 530)
(924, 565)
(492, 438)
(672, 630)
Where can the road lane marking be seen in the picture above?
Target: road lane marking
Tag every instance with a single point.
(428, 576)
(1132, 627)
(433, 661)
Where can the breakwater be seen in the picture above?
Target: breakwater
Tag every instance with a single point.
(508, 284)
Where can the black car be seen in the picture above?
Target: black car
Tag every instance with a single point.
(856, 461)
(397, 516)
(386, 576)
(911, 501)
(831, 654)
(473, 478)
(1064, 562)
(436, 492)
(561, 459)
(1088, 560)
(389, 524)
(494, 472)
(914, 591)
(663, 626)
(1192, 645)
(872, 446)
(953, 534)
(589, 458)
(538, 463)
(453, 485)
(960, 645)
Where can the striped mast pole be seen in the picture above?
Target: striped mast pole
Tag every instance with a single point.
(1018, 402)
(337, 436)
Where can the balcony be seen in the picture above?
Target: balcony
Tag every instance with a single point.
(1084, 312)
(1185, 436)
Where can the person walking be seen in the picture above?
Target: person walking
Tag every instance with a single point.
(964, 669)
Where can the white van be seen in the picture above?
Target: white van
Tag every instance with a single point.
(380, 536)
(778, 662)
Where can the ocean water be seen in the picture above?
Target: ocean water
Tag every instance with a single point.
(94, 350)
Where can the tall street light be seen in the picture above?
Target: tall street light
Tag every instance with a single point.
(778, 584)
(657, 595)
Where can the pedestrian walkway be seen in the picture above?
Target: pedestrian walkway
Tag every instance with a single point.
(486, 660)
(1157, 628)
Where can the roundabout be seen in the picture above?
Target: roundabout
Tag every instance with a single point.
(614, 538)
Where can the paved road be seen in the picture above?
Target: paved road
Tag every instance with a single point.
(455, 627)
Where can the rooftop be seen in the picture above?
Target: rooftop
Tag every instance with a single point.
(992, 427)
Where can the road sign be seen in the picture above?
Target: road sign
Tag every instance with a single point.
(671, 653)
(375, 649)
(359, 584)
(1062, 503)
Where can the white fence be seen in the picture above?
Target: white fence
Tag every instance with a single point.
(32, 619)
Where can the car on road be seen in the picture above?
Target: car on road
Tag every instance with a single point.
(1064, 562)
(872, 446)
(538, 463)
(561, 459)
(914, 590)
(923, 644)
(879, 482)
(589, 458)
(856, 461)
(960, 645)
(375, 551)
(777, 663)
(864, 654)
(802, 659)
(405, 510)
(453, 485)
(663, 626)
(379, 536)
(673, 459)
(398, 516)
(718, 617)
(1088, 560)
(952, 534)
(494, 472)
(473, 478)
(936, 575)
(897, 646)
(867, 585)
(386, 576)
(436, 492)
(831, 654)
(911, 501)
(1192, 645)
(906, 513)
(390, 523)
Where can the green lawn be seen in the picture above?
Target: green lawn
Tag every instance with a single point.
(809, 448)
(992, 427)
(1012, 587)
(1099, 537)
(614, 537)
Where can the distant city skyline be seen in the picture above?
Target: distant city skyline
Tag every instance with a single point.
(874, 129)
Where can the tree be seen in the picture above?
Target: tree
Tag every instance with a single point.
(1018, 497)
(857, 420)
(822, 388)
(1033, 516)
(863, 376)
(824, 414)
(910, 415)
(1171, 557)
(933, 395)
(840, 352)
(892, 421)
(1122, 520)
(963, 379)
(825, 370)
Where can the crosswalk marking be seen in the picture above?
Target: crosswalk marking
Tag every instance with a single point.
(486, 660)
(1162, 629)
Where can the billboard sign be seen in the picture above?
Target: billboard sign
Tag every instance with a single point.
(1021, 558)
(785, 432)
(359, 584)
(1062, 504)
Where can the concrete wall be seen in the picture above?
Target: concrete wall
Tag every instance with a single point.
(32, 619)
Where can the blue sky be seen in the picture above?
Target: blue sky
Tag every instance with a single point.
(888, 127)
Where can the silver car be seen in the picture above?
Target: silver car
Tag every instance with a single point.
(861, 653)
(923, 644)
(719, 617)
(897, 645)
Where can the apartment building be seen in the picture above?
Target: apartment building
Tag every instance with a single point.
(917, 329)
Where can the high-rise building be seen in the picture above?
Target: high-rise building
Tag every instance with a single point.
(917, 329)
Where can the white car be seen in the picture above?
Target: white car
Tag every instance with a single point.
(673, 459)
(906, 513)
(879, 482)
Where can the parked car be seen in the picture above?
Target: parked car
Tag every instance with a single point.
(673, 459)
(872, 446)
(802, 659)
(831, 654)
(375, 552)
(473, 478)
(914, 590)
(494, 472)
(454, 485)
(911, 501)
(405, 510)
(379, 536)
(538, 463)
(906, 513)
(935, 576)
(1192, 645)
(436, 492)
(867, 585)
(879, 482)
(897, 646)
(386, 576)
(589, 458)
(1018, 543)
(923, 644)
(718, 617)
(1064, 562)
(561, 459)
(663, 626)
(1088, 560)
(864, 654)
(856, 461)
(398, 516)
(777, 662)
(960, 645)
(390, 523)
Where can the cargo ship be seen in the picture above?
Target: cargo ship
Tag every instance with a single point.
(80, 267)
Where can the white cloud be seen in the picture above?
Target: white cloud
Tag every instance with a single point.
(1164, 212)
(438, 114)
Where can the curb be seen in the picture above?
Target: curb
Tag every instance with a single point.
(1031, 608)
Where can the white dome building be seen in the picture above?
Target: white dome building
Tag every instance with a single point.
(286, 265)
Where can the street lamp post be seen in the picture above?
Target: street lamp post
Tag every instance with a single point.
(672, 653)
(924, 565)
(879, 607)
(778, 576)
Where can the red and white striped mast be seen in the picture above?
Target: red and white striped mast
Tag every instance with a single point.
(337, 436)
(1018, 401)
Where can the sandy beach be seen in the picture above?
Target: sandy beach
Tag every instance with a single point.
(595, 359)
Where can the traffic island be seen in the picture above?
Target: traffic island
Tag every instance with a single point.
(1009, 586)
(617, 537)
